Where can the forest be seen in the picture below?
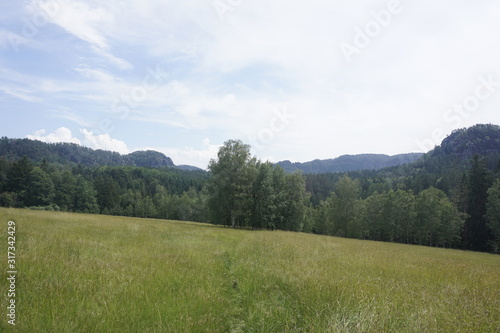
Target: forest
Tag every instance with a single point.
(450, 197)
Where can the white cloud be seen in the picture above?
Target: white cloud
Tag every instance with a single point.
(95, 74)
(20, 93)
(104, 142)
(43, 89)
(88, 22)
(78, 18)
(74, 117)
(224, 73)
(118, 62)
(61, 134)
(94, 141)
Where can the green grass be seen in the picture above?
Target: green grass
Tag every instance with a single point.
(91, 273)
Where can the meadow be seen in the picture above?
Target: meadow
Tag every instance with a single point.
(95, 273)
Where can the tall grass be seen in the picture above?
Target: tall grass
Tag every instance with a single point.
(91, 273)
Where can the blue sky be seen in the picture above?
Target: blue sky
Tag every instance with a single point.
(296, 80)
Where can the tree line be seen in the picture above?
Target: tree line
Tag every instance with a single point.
(241, 191)
(247, 192)
(428, 218)
(165, 193)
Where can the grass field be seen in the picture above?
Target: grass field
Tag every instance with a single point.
(92, 273)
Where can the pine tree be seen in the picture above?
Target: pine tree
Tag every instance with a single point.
(493, 214)
(476, 234)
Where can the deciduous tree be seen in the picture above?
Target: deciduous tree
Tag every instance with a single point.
(230, 184)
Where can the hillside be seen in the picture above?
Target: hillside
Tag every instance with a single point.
(453, 156)
(463, 144)
(346, 163)
(70, 153)
(89, 273)
(443, 167)
(454, 152)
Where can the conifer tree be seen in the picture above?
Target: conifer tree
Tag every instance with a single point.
(493, 214)
(476, 234)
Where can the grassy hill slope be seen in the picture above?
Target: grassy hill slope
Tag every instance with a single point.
(92, 273)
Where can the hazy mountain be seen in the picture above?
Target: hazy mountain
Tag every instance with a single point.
(149, 158)
(456, 149)
(351, 163)
(188, 167)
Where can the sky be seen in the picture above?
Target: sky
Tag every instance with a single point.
(297, 80)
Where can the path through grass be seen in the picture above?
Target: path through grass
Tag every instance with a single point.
(92, 273)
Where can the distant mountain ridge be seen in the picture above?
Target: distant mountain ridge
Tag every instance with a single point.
(346, 163)
(454, 151)
(443, 167)
(69, 153)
